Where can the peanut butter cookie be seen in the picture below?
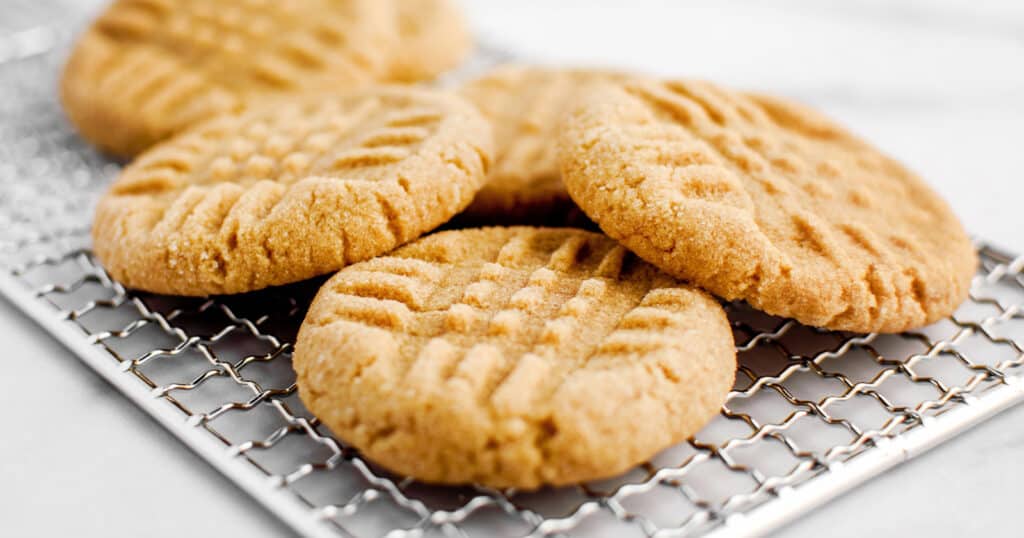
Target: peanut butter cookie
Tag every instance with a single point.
(757, 198)
(525, 105)
(512, 357)
(146, 69)
(289, 190)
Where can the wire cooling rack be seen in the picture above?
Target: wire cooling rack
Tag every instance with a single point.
(813, 413)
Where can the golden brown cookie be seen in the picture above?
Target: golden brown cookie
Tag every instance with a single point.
(289, 190)
(432, 38)
(148, 68)
(512, 357)
(757, 198)
(525, 105)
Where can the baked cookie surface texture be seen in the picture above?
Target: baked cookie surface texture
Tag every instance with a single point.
(146, 69)
(758, 198)
(512, 357)
(525, 105)
(433, 38)
(289, 190)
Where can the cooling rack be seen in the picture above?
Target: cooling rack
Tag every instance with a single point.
(813, 413)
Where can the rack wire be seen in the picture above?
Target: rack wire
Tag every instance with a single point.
(813, 413)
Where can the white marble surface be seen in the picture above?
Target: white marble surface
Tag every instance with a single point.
(937, 83)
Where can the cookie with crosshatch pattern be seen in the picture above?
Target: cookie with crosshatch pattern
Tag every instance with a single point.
(758, 198)
(146, 69)
(512, 357)
(291, 189)
(525, 104)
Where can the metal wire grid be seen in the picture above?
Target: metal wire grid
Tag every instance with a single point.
(808, 405)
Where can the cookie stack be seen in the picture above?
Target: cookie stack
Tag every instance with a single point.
(269, 149)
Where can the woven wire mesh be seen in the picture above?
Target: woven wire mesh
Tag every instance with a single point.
(805, 400)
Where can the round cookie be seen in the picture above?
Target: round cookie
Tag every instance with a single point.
(146, 69)
(432, 38)
(289, 190)
(525, 105)
(757, 198)
(512, 357)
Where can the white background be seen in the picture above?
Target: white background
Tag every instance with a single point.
(937, 83)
